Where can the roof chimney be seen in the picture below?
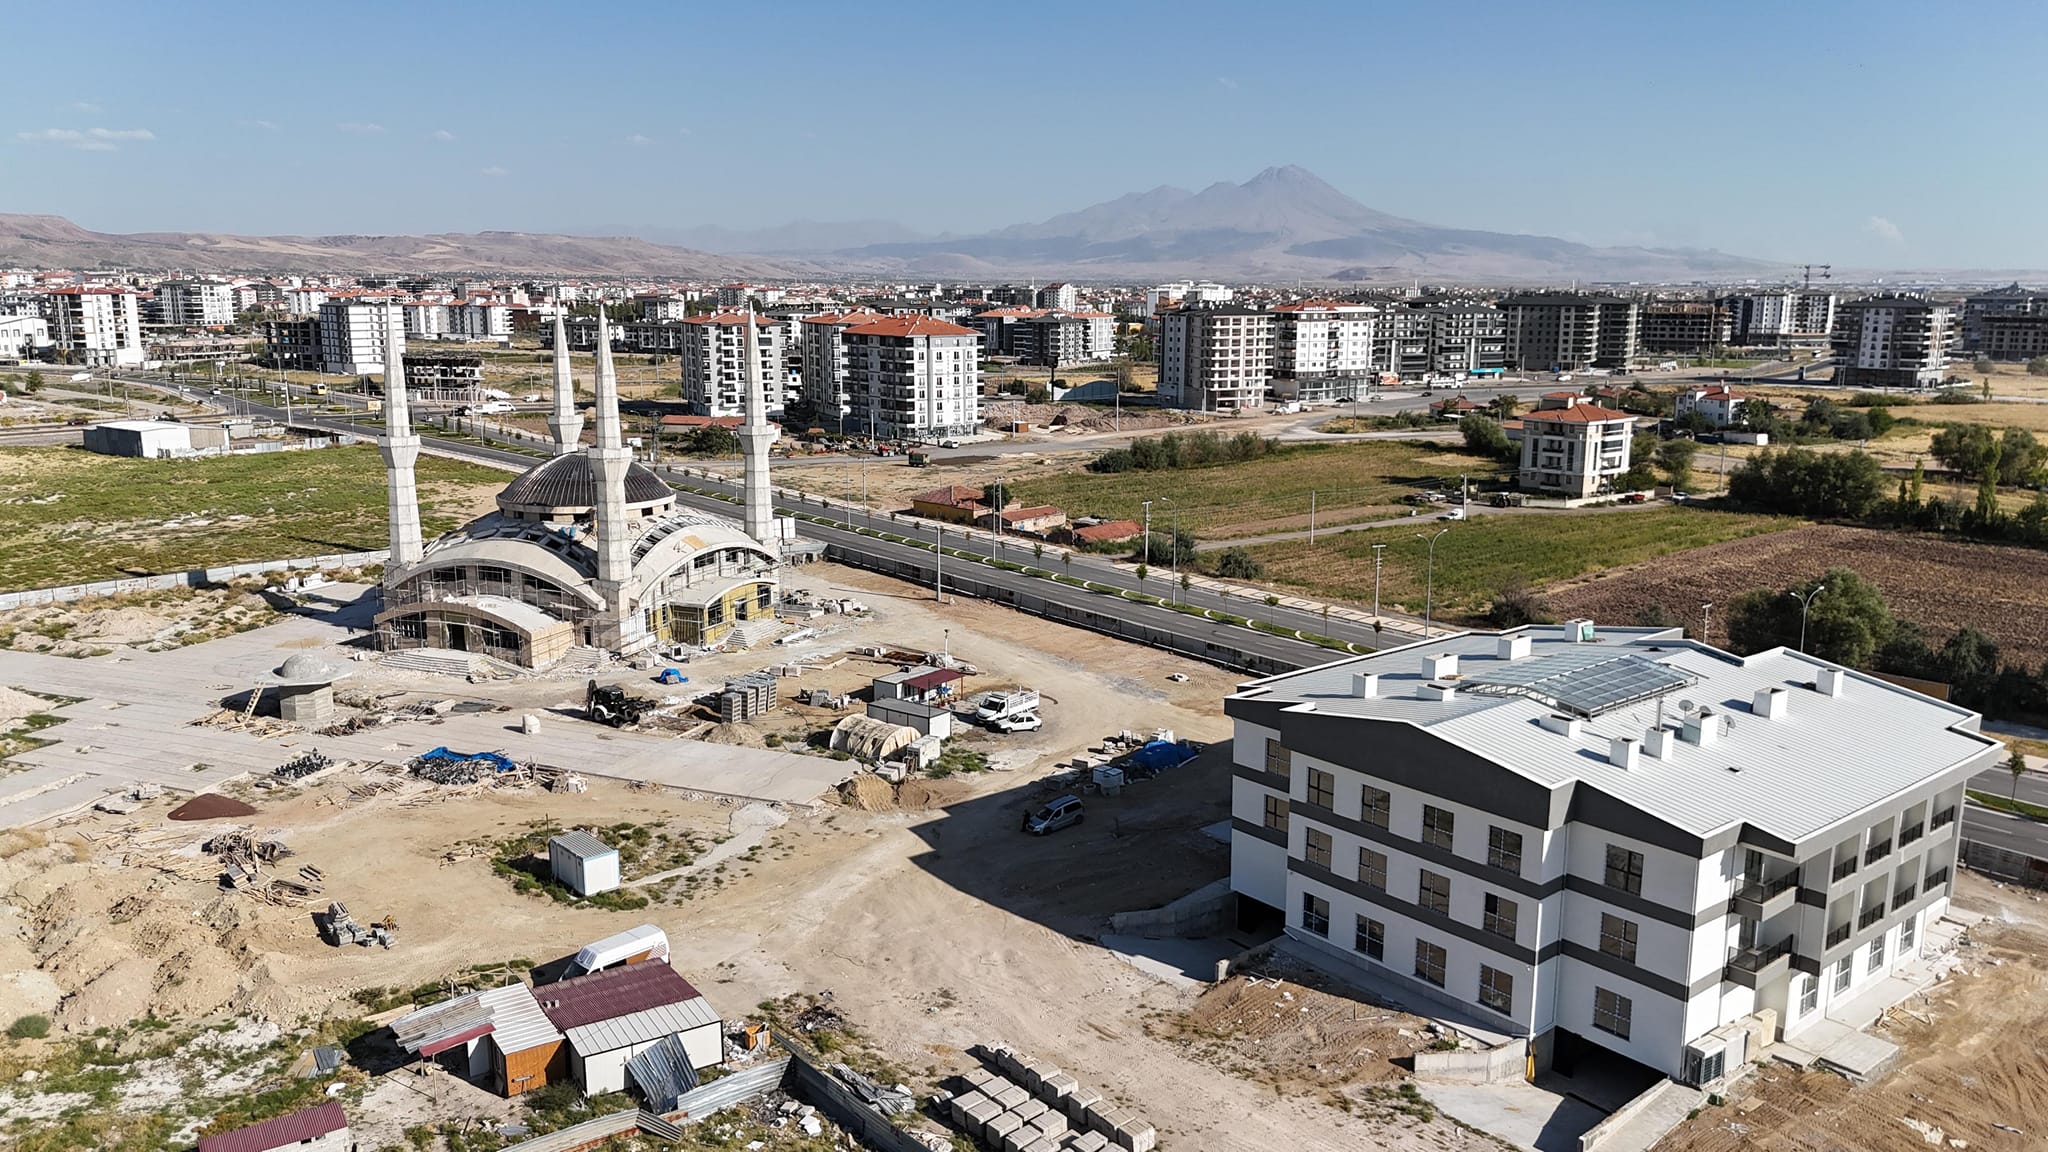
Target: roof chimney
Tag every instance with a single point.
(1365, 685)
(1622, 750)
(1769, 703)
(1513, 647)
(1440, 666)
(1830, 681)
(1437, 690)
(1658, 742)
(1561, 724)
(1702, 728)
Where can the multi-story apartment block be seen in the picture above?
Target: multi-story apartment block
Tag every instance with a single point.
(1573, 447)
(658, 307)
(1047, 336)
(1403, 343)
(293, 343)
(95, 327)
(1466, 338)
(913, 377)
(1323, 350)
(821, 363)
(2011, 300)
(1684, 327)
(1064, 297)
(1626, 839)
(1788, 316)
(1893, 342)
(715, 362)
(425, 321)
(351, 334)
(480, 323)
(1215, 357)
(1567, 331)
(2013, 335)
(304, 301)
(196, 303)
(21, 337)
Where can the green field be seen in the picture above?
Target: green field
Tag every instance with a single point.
(70, 516)
(1352, 483)
(1477, 558)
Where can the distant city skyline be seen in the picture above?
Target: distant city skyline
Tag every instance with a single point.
(1866, 134)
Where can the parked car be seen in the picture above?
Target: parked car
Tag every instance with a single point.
(1027, 722)
(1453, 514)
(1635, 498)
(1054, 816)
(949, 443)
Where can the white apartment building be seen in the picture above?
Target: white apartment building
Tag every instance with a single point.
(1323, 349)
(821, 363)
(1064, 297)
(1786, 316)
(351, 333)
(1625, 839)
(1893, 342)
(480, 322)
(196, 303)
(658, 308)
(1215, 358)
(425, 321)
(304, 301)
(913, 377)
(715, 362)
(95, 327)
(21, 337)
(1573, 447)
(1719, 405)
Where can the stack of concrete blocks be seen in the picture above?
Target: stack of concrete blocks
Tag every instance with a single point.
(1016, 1104)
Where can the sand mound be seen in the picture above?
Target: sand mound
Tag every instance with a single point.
(741, 735)
(869, 793)
(923, 795)
(116, 996)
(211, 806)
(197, 981)
(120, 625)
(15, 705)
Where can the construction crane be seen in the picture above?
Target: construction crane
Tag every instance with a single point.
(1827, 272)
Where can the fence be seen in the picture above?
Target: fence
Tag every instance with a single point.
(195, 578)
(2005, 864)
(1495, 1065)
(727, 1091)
(846, 1110)
(716, 1096)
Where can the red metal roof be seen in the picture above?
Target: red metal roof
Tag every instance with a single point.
(612, 993)
(951, 496)
(282, 1132)
(925, 682)
(436, 1047)
(1576, 414)
(911, 326)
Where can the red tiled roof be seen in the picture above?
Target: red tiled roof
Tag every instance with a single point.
(612, 993)
(852, 316)
(911, 326)
(1035, 512)
(951, 496)
(1576, 414)
(1561, 395)
(280, 1133)
(726, 319)
(1108, 530)
(1017, 311)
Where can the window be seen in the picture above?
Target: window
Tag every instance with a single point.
(1611, 1012)
(1501, 915)
(1276, 813)
(1906, 937)
(1371, 938)
(1436, 826)
(1429, 962)
(1497, 990)
(1322, 788)
(1372, 869)
(1625, 870)
(1809, 995)
(1318, 851)
(1434, 892)
(1315, 914)
(1376, 807)
(1504, 850)
(1842, 974)
(1276, 757)
(1618, 937)
(1876, 960)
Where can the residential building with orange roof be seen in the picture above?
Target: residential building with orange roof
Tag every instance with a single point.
(913, 377)
(821, 363)
(715, 362)
(1574, 447)
(96, 327)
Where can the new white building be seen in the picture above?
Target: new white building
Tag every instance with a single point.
(1786, 316)
(21, 337)
(1322, 349)
(1719, 405)
(304, 301)
(197, 303)
(715, 362)
(1893, 342)
(95, 327)
(480, 322)
(1215, 358)
(1622, 838)
(1573, 447)
(913, 377)
(821, 362)
(352, 336)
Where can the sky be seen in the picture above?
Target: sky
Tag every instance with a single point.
(1862, 133)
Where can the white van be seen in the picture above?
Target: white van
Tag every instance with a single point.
(646, 942)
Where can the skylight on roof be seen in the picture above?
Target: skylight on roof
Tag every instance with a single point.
(1587, 682)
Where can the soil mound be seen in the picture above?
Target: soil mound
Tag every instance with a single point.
(211, 806)
(868, 793)
(740, 735)
(15, 705)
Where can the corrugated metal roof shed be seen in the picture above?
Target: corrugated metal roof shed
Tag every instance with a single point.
(517, 1021)
(926, 681)
(581, 845)
(640, 1027)
(613, 993)
(282, 1132)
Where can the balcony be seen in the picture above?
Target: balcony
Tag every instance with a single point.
(1902, 897)
(1844, 869)
(1945, 816)
(1766, 898)
(1839, 933)
(1876, 852)
(1871, 915)
(1754, 967)
(1908, 835)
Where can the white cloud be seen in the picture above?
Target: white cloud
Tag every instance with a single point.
(1884, 230)
(442, 134)
(684, 132)
(639, 141)
(356, 128)
(266, 125)
(89, 140)
(84, 106)
(493, 170)
(1226, 81)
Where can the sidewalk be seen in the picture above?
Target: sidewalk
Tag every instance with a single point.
(1840, 1039)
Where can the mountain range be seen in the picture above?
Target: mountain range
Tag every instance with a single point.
(1282, 224)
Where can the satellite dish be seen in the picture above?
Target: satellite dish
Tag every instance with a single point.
(1687, 706)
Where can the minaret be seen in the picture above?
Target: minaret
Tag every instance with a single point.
(756, 434)
(401, 450)
(609, 461)
(567, 423)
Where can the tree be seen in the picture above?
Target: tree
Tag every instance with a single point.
(1757, 413)
(1964, 448)
(1144, 570)
(1238, 564)
(1517, 604)
(1984, 366)
(1848, 623)
(2016, 764)
(1504, 405)
(1675, 457)
(34, 383)
(2022, 459)
(1067, 562)
(1640, 477)
(995, 495)
(1987, 490)
(1186, 581)
(2038, 366)
(1800, 481)
(1919, 479)
(1485, 437)
(1166, 548)
(1038, 550)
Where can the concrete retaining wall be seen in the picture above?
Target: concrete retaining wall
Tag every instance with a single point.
(2007, 865)
(1494, 1065)
(195, 578)
(1202, 912)
(1599, 1133)
(845, 1109)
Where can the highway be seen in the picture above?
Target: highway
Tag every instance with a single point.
(1999, 829)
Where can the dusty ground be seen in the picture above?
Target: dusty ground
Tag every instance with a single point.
(1919, 576)
(1973, 1060)
(149, 621)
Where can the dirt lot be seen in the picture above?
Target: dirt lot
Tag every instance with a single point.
(1973, 1060)
(1919, 576)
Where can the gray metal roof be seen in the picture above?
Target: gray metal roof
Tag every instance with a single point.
(664, 1073)
(1826, 759)
(581, 845)
(638, 1027)
(517, 1023)
(567, 482)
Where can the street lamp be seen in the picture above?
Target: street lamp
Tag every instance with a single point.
(1148, 531)
(1429, 581)
(1805, 603)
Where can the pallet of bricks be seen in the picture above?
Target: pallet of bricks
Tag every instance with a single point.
(1016, 1104)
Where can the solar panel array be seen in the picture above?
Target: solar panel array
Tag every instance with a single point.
(1587, 682)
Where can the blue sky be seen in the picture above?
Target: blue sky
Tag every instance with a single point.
(1863, 133)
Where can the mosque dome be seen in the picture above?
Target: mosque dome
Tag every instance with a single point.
(567, 486)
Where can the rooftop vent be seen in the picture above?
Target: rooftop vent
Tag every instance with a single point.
(1437, 690)
(1440, 666)
(1561, 724)
(1658, 742)
(1578, 631)
(1622, 751)
(1830, 681)
(1770, 703)
(1365, 685)
(1513, 647)
(1702, 728)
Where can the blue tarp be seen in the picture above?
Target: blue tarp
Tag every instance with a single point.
(497, 760)
(1160, 755)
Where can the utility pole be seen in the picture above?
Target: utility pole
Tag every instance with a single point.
(1377, 554)
(1174, 576)
(1311, 517)
(1706, 620)
(1148, 532)
(939, 579)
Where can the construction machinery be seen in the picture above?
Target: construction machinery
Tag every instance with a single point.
(611, 705)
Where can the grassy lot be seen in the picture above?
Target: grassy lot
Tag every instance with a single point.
(1352, 483)
(1476, 559)
(71, 516)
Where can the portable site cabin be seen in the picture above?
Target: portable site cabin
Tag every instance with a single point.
(498, 1037)
(583, 863)
(927, 719)
(611, 1016)
(629, 947)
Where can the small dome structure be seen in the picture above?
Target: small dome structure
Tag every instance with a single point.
(566, 487)
(306, 668)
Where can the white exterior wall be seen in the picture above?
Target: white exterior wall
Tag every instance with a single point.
(98, 328)
(599, 1072)
(352, 337)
